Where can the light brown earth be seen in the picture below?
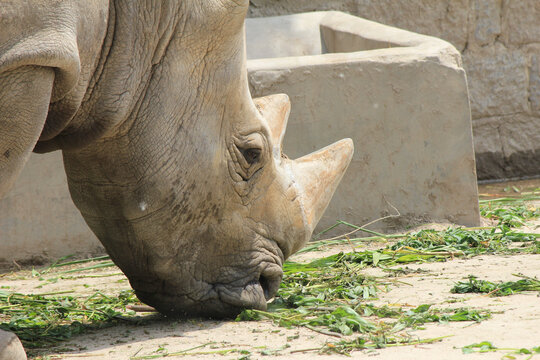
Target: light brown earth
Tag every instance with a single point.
(515, 322)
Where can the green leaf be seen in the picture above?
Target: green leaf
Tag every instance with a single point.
(376, 258)
(422, 308)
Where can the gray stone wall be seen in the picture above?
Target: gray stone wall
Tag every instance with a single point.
(500, 44)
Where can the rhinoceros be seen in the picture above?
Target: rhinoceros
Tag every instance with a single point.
(172, 164)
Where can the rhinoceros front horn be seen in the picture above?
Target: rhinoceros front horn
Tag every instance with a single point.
(316, 175)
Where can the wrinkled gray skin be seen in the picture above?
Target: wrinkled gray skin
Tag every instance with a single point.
(169, 160)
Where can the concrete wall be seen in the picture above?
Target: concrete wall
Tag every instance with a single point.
(500, 44)
(38, 221)
(401, 97)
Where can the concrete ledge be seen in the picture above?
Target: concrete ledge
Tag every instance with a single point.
(402, 97)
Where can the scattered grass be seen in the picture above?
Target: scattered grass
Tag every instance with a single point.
(59, 263)
(190, 352)
(331, 296)
(510, 213)
(345, 347)
(455, 241)
(44, 320)
(513, 215)
(433, 245)
(474, 285)
(486, 346)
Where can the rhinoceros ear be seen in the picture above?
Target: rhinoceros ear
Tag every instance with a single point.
(275, 109)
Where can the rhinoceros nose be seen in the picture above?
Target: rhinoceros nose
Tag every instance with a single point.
(269, 282)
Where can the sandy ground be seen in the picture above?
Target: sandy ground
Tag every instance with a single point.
(515, 322)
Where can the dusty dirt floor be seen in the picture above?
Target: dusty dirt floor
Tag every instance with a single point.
(515, 321)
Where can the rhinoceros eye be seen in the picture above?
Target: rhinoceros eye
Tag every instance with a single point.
(248, 154)
(252, 155)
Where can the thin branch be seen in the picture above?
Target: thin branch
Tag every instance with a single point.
(398, 214)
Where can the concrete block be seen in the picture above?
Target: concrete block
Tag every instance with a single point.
(258, 8)
(500, 41)
(401, 97)
(498, 83)
(446, 19)
(38, 220)
(520, 22)
(487, 136)
(507, 146)
(534, 82)
(290, 37)
(487, 21)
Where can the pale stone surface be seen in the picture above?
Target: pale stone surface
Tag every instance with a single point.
(10, 347)
(520, 22)
(260, 8)
(512, 130)
(441, 18)
(291, 36)
(497, 83)
(487, 138)
(505, 135)
(408, 117)
(500, 41)
(534, 82)
(38, 220)
(487, 21)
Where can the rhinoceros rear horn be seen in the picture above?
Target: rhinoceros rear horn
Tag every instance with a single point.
(318, 175)
(275, 110)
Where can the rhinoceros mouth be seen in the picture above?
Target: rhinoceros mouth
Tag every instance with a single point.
(256, 293)
(220, 300)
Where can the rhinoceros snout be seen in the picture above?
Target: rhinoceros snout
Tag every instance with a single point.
(269, 285)
(255, 294)
(220, 300)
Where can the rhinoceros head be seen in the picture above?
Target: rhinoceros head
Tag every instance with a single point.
(191, 194)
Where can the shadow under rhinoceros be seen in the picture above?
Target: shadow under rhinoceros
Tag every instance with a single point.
(105, 338)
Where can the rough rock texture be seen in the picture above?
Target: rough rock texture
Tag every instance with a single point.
(500, 44)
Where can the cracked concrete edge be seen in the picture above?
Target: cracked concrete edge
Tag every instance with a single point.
(405, 46)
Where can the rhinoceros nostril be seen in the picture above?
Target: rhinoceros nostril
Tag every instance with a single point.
(264, 284)
(270, 285)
